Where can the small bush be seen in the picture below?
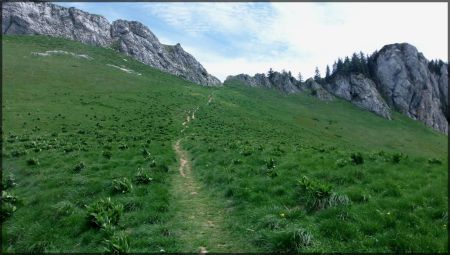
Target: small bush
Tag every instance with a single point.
(397, 157)
(434, 161)
(107, 154)
(122, 185)
(142, 177)
(80, 166)
(318, 195)
(63, 208)
(117, 244)
(341, 162)
(270, 163)
(357, 158)
(9, 182)
(8, 205)
(237, 161)
(104, 213)
(146, 153)
(7, 209)
(18, 153)
(292, 240)
(32, 162)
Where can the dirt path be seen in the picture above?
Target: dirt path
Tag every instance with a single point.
(199, 220)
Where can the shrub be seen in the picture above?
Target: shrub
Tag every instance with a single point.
(18, 153)
(146, 153)
(123, 147)
(107, 154)
(318, 195)
(270, 163)
(397, 157)
(32, 162)
(80, 166)
(8, 205)
(117, 244)
(357, 158)
(104, 213)
(292, 240)
(434, 161)
(341, 162)
(122, 185)
(237, 161)
(7, 209)
(9, 182)
(142, 177)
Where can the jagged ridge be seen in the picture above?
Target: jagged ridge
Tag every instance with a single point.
(129, 37)
(400, 79)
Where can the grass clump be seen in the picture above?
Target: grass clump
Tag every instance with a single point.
(80, 166)
(434, 161)
(290, 240)
(317, 195)
(357, 158)
(8, 205)
(9, 182)
(32, 162)
(122, 185)
(104, 213)
(118, 243)
(142, 177)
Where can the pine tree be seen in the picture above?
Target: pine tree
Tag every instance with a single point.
(339, 66)
(270, 73)
(327, 73)
(355, 64)
(300, 77)
(317, 74)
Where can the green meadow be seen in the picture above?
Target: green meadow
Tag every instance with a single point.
(90, 163)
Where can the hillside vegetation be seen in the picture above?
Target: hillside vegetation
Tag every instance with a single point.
(90, 163)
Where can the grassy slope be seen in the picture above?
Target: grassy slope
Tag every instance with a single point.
(396, 206)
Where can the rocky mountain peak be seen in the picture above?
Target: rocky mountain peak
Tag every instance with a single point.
(129, 37)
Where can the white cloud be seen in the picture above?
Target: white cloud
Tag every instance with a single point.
(310, 33)
(231, 38)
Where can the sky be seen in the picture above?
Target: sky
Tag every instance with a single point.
(242, 37)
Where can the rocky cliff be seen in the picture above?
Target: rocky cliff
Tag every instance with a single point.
(405, 81)
(281, 81)
(129, 37)
(400, 79)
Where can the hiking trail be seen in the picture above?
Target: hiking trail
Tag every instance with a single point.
(201, 220)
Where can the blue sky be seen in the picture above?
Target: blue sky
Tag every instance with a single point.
(233, 38)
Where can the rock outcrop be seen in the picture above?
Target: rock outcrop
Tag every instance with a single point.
(406, 83)
(129, 37)
(399, 78)
(316, 90)
(360, 91)
(281, 81)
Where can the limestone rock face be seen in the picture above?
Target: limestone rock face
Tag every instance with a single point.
(317, 90)
(406, 83)
(361, 91)
(131, 38)
(280, 81)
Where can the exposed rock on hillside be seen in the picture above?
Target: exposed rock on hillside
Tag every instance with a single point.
(361, 91)
(317, 90)
(280, 81)
(405, 81)
(400, 78)
(131, 38)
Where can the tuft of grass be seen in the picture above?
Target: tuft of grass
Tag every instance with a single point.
(142, 177)
(104, 212)
(122, 185)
